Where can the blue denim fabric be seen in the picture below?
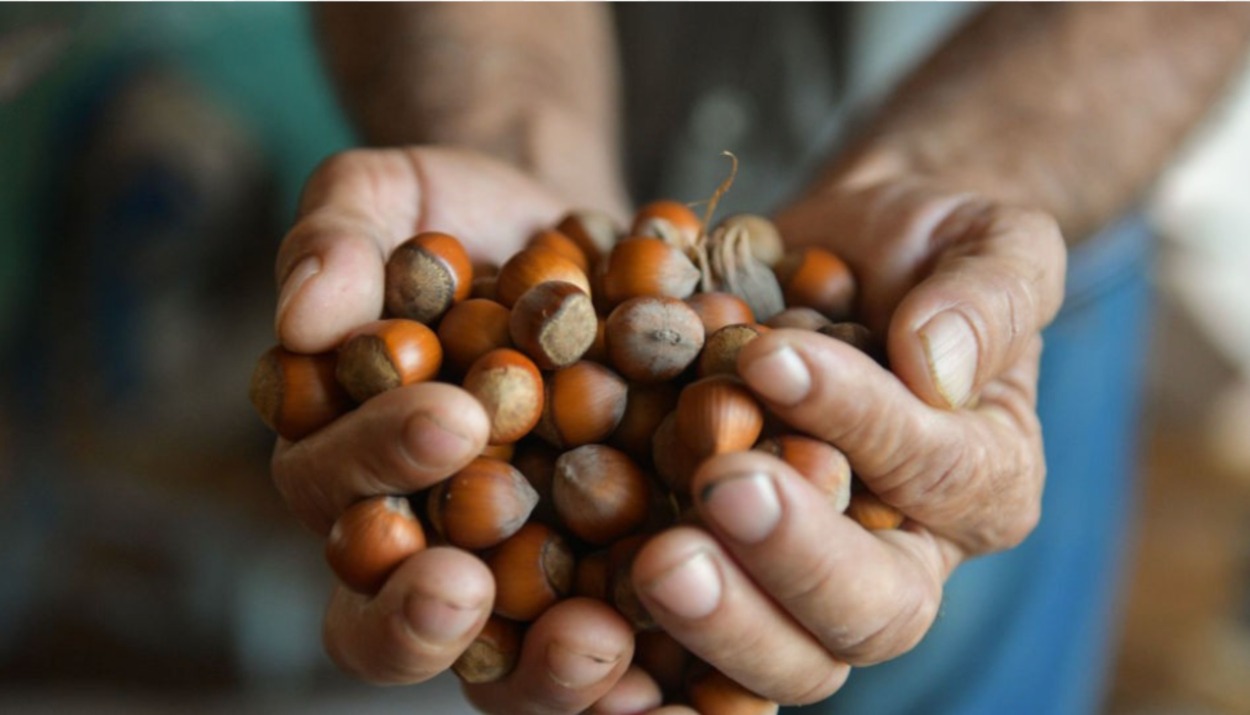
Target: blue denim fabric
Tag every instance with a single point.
(1030, 631)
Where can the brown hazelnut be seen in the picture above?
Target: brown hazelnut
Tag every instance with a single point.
(822, 464)
(653, 338)
(675, 462)
(425, 275)
(600, 494)
(510, 388)
(481, 505)
(818, 279)
(593, 231)
(720, 350)
(641, 266)
(621, 584)
(493, 653)
(554, 323)
(471, 329)
(713, 693)
(799, 317)
(857, 335)
(533, 569)
(386, 354)
(672, 221)
(554, 240)
(717, 415)
(533, 266)
(584, 403)
(371, 539)
(296, 394)
(870, 512)
(646, 405)
(664, 659)
(718, 309)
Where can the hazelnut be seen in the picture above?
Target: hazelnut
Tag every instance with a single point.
(820, 463)
(584, 403)
(493, 653)
(713, 693)
(653, 338)
(647, 266)
(470, 330)
(621, 584)
(593, 231)
(717, 415)
(818, 279)
(481, 505)
(533, 569)
(510, 388)
(371, 539)
(857, 335)
(799, 317)
(870, 512)
(296, 394)
(672, 221)
(554, 323)
(720, 350)
(556, 241)
(590, 578)
(425, 275)
(664, 659)
(533, 266)
(386, 354)
(600, 494)
(718, 309)
(646, 405)
(675, 462)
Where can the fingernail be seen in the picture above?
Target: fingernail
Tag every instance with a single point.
(574, 670)
(436, 621)
(950, 347)
(305, 269)
(745, 507)
(431, 445)
(779, 376)
(689, 590)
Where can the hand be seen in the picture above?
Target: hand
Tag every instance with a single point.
(356, 208)
(785, 594)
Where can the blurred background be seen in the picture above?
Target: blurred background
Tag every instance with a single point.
(150, 159)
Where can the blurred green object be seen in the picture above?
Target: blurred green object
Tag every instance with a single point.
(258, 60)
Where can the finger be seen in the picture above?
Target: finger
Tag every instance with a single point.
(418, 624)
(865, 596)
(398, 442)
(572, 657)
(990, 293)
(359, 205)
(694, 591)
(635, 692)
(974, 477)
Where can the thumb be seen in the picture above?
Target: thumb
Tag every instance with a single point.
(992, 289)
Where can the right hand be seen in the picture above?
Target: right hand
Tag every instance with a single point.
(355, 209)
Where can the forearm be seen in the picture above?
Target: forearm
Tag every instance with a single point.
(1070, 108)
(534, 84)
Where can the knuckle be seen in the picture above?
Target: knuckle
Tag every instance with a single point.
(909, 615)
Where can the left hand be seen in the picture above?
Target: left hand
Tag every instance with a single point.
(784, 594)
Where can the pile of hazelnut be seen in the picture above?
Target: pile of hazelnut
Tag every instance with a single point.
(606, 363)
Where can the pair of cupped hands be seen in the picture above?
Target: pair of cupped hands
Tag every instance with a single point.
(779, 592)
